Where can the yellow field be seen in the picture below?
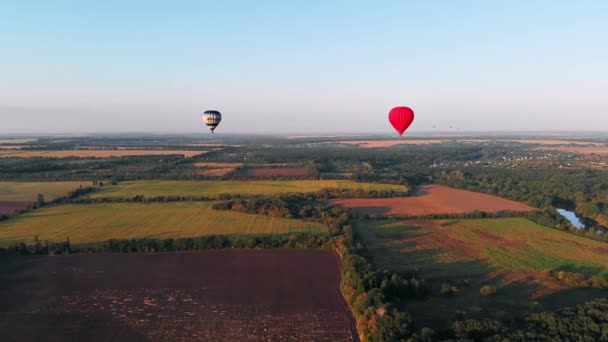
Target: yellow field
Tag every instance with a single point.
(94, 153)
(215, 188)
(85, 223)
(28, 191)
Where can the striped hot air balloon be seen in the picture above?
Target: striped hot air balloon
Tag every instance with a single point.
(212, 118)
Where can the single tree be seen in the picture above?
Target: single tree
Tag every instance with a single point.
(40, 200)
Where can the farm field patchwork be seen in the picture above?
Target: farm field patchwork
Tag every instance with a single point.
(87, 223)
(94, 153)
(215, 188)
(219, 295)
(511, 254)
(434, 199)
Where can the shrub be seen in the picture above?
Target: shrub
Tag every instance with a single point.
(487, 291)
(445, 290)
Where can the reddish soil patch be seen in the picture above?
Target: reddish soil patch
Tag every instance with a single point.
(286, 172)
(7, 208)
(223, 295)
(435, 199)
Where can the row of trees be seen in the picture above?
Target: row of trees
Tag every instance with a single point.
(573, 279)
(373, 295)
(150, 245)
(296, 206)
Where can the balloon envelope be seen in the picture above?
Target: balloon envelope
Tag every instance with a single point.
(401, 118)
(212, 118)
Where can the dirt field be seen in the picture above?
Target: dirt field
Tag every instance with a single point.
(511, 254)
(94, 153)
(578, 149)
(434, 199)
(284, 172)
(223, 295)
(7, 208)
(99, 222)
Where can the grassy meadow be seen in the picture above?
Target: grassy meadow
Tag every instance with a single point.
(510, 254)
(214, 188)
(500, 244)
(28, 191)
(99, 222)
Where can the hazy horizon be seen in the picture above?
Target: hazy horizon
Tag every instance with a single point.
(311, 68)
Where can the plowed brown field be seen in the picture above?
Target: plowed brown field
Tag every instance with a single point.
(434, 199)
(7, 208)
(221, 295)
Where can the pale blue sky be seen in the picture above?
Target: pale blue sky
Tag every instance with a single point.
(302, 66)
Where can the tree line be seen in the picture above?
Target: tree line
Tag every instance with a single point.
(152, 245)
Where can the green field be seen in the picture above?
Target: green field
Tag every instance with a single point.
(501, 244)
(28, 191)
(510, 254)
(214, 188)
(99, 222)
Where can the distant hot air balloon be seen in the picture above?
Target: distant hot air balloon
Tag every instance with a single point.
(401, 118)
(212, 118)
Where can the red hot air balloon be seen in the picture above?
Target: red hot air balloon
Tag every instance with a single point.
(401, 118)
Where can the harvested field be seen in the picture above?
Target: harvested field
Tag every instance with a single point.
(7, 208)
(88, 223)
(94, 153)
(215, 172)
(28, 191)
(578, 149)
(221, 295)
(215, 169)
(511, 254)
(283, 172)
(434, 199)
(215, 188)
